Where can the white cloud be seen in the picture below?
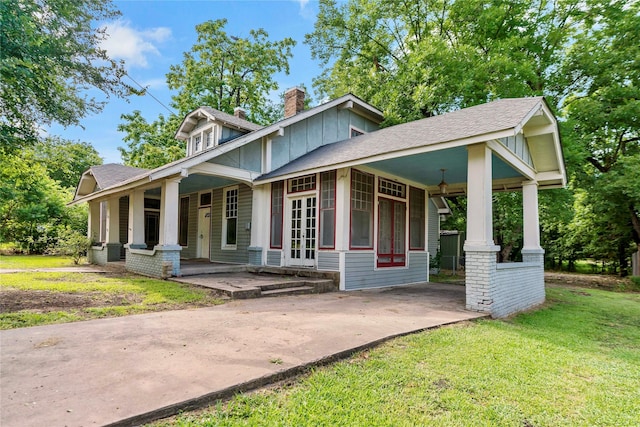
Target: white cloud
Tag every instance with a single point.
(132, 45)
(306, 12)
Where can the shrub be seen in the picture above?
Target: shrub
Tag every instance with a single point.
(72, 243)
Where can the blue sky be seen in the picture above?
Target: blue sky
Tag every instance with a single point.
(152, 35)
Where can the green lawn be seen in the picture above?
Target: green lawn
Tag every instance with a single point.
(67, 297)
(576, 362)
(34, 261)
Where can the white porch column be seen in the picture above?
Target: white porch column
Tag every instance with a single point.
(93, 228)
(169, 205)
(136, 220)
(531, 227)
(260, 224)
(479, 197)
(113, 221)
(480, 250)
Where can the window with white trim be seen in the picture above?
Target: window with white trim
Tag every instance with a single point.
(197, 143)
(361, 233)
(355, 132)
(230, 218)
(209, 138)
(327, 209)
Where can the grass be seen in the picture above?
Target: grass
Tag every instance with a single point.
(34, 261)
(574, 362)
(133, 294)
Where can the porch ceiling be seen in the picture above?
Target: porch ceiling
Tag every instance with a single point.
(194, 183)
(425, 168)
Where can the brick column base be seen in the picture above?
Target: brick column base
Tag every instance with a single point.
(480, 266)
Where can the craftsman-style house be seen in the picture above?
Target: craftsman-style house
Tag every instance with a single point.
(326, 189)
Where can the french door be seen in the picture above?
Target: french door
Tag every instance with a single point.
(302, 233)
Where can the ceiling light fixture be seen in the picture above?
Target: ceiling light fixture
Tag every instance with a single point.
(443, 185)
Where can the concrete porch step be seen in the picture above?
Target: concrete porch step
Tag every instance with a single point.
(295, 290)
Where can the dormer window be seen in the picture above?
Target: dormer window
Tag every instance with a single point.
(209, 138)
(197, 143)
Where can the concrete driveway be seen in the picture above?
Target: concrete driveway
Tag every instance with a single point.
(133, 369)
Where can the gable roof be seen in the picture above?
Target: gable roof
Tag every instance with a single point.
(461, 125)
(349, 101)
(191, 119)
(104, 176)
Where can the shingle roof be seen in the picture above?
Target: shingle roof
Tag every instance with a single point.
(482, 119)
(236, 121)
(113, 173)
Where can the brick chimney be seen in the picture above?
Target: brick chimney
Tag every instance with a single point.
(293, 101)
(240, 113)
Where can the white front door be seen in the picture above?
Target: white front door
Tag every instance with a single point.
(204, 228)
(302, 232)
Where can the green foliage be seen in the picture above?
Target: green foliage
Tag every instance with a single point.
(65, 160)
(416, 59)
(220, 71)
(582, 346)
(72, 243)
(150, 145)
(139, 295)
(49, 54)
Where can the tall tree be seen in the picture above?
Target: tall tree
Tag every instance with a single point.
(65, 160)
(49, 56)
(220, 71)
(416, 59)
(604, 117)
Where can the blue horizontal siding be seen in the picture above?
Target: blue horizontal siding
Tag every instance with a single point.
(329, 261)
(360, 272)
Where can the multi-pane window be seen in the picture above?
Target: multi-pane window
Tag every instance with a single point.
(327, 209)
(209, 138)
(197, 143)
(183, 227)
(391, 233)
(361, 210)
(230, 225)
(303, 183)
(391, 188)
(277, 195)
(417, 214)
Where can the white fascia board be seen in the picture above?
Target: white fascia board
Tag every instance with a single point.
(123, 190)
(396, 154)
(512, 159)
(224, 172)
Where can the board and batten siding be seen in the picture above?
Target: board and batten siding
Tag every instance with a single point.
(247, 157)
(328, 260)
(518, 145)
(239, 255)
(433, 230)
(306, 135)
(361, 274)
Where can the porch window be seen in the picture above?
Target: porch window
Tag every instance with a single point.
(417, 216)
(391, 188)
(327, 209)
(230, 220)
(303, 183)
(277, 194)
(183, 227)
(361, 210)
(391, 232)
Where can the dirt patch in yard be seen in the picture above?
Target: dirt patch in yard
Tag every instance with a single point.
(601, 281)
(12, 300)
